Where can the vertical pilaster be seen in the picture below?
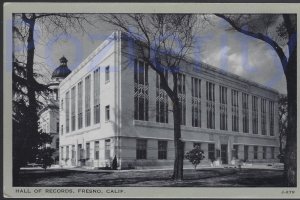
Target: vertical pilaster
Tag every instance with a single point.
(83, 104)
(203, 105)
(259, 115)
(276, 119)
(240, 106)
(250, 114)
(267, 117)
(217, 106)
(92, 99)
(152, 95)
(188, 91)
(229, 116)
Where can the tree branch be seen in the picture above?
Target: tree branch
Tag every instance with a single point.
(261, 37)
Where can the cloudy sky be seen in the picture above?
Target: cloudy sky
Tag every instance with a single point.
(220, 47)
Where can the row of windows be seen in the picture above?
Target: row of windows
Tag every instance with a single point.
(86, 154)
(141, 103)
(236, 149)
(87, 107)
(141, 149)
(162, 153)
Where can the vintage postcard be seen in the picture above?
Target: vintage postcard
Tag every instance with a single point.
(153, 100)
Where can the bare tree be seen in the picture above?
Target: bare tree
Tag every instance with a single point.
(163, 41)
(261, 27)
(27, 89)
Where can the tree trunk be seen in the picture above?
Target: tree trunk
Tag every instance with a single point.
(290, 167)
(178, 144)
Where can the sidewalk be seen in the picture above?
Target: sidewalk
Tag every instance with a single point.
(246, 166)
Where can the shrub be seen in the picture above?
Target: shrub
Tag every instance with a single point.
(195, 156)
(44, 157)
(114, 164)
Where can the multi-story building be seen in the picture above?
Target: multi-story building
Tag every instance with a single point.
(49, 114)
(112, 105)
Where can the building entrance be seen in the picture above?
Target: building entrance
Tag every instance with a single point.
(224, 154)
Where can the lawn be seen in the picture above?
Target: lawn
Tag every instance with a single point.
(210, 177)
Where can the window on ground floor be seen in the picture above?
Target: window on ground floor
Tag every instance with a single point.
(67, 152)
(73, 152)
(57, 143)
(211, 152)
(87, 145)
(272, 152)
(264, 152)
(80, 150)
(255, 151)
(107, 149)
(141, 149)
(162, 150)
(246, 153)
(235, 152)
(97, 150)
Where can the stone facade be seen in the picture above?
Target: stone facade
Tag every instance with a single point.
(135, 143)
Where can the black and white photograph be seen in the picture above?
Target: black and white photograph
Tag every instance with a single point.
(157, 99)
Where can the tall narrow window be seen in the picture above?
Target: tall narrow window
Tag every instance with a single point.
(107, 114)
(67, 112)
(57, 143)
(57, 127)
(141, 149)
(73, 152)
(255, 115)
(107, 149)
(245, 105)
(80, 150)
(255, 152)
(141, 90)
(272, 152)
(88, 100)
(161, 101)
(97, 96)
(211, 152)
(181, 96)
(246, 152)
(236, 151)
(264, 152)
(271, 116)
(263, 116)
(162, 150)
(67, 152)
(79, 106)
(73, 107)
(107, 74)
(210, 105)
(235, 110)
(196, 102)
(87, 147)
(96, 150)
(223, 108)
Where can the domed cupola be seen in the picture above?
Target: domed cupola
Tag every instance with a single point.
(62, 71)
